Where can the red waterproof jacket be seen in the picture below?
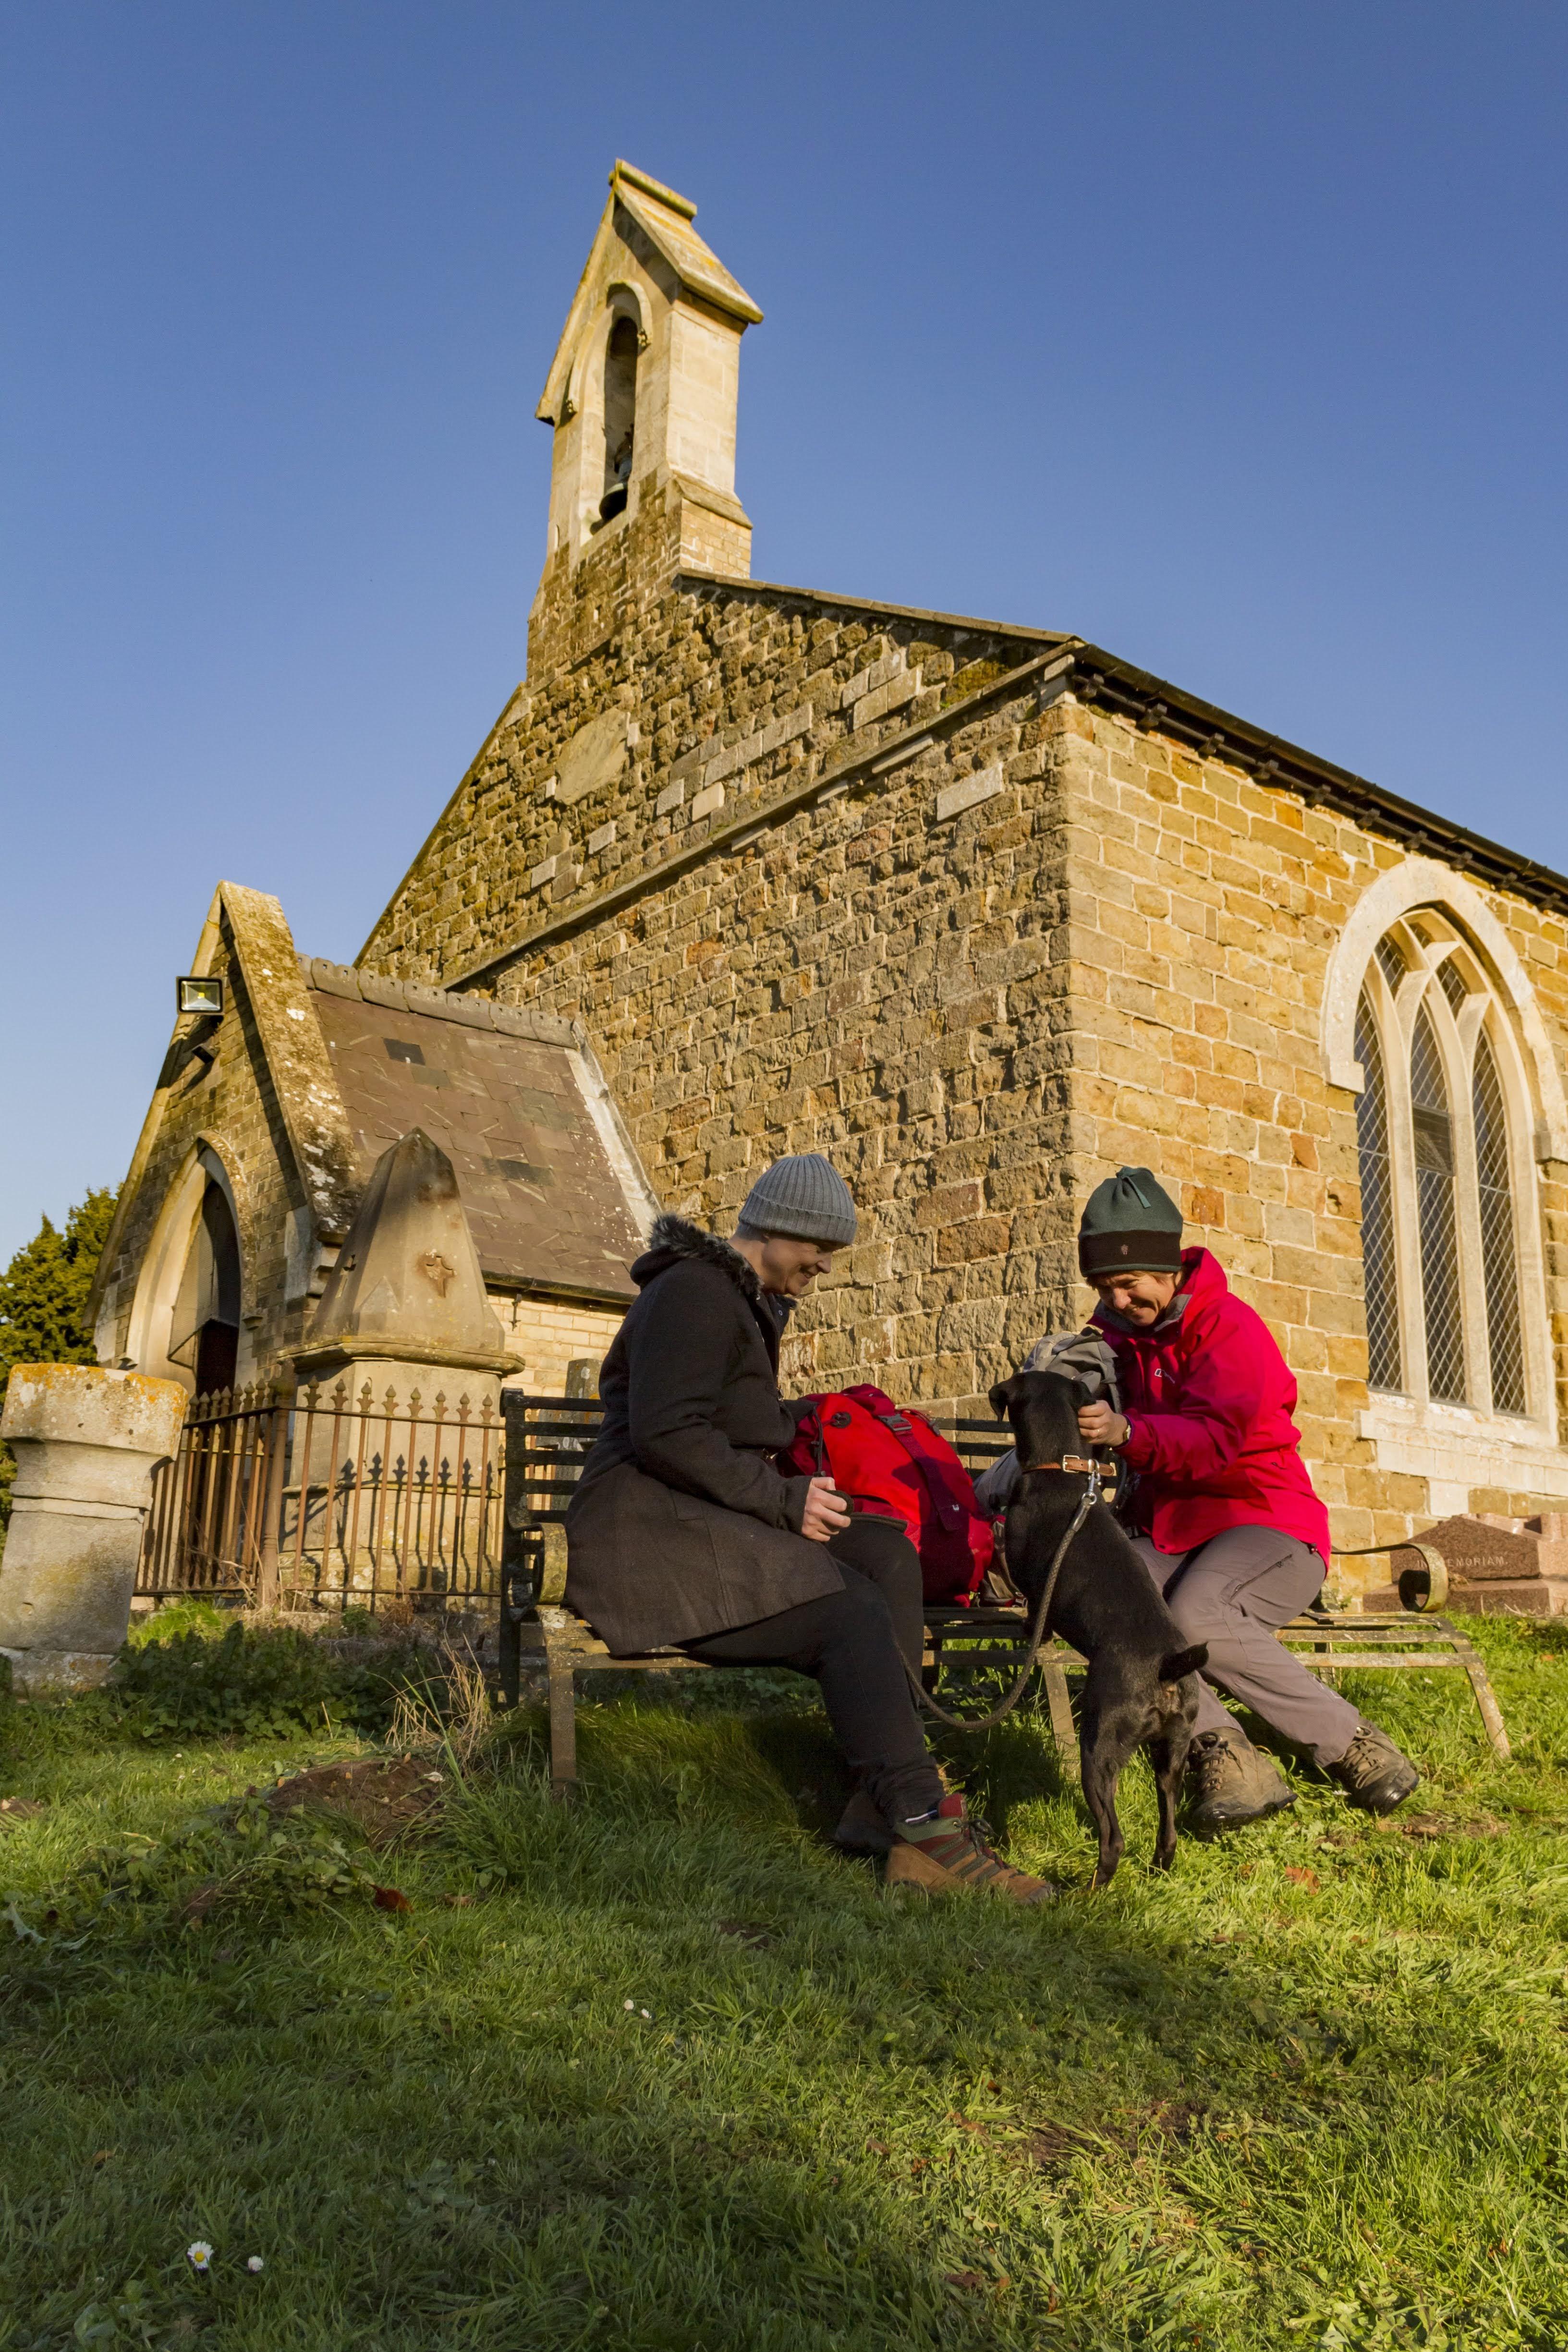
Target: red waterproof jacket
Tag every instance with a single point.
(1209, 1398)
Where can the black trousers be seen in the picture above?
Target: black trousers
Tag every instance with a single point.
(854, 1644)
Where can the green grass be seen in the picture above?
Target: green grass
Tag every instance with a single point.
(1233, 2108)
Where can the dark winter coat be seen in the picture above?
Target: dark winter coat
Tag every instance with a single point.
(680, 1525)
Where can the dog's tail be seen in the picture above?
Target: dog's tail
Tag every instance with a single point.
(1184, 1662)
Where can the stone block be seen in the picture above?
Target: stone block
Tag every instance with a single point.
(709, 798)
(882, 700)
(968, 793)
(87, 1442)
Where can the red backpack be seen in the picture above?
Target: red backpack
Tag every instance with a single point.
(893, 1463)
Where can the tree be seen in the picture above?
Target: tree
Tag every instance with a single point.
(43, 1292)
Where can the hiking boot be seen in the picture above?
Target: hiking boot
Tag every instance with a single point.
(862, 1827)
(1372, 1772)
(1233, 1782)
(947, 1852)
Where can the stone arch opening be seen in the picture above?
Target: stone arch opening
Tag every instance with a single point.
(620, 415)
(190, 1305)
(204, 1336)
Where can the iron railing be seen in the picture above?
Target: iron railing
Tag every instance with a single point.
(324, 1499)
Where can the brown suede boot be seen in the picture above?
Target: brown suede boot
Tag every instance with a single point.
(862, 1827)
(949, 1852)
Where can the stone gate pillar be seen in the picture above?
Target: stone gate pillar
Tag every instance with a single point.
(86, 1443)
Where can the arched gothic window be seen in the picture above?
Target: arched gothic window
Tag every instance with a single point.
(1377, 1246)
(1437, 1127)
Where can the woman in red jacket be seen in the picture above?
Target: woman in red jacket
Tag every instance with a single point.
(1222, 1511)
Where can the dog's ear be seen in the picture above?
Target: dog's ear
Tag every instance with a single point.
(1182, 1663)
(1002, 1397)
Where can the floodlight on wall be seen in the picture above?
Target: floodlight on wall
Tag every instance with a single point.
(200, 993)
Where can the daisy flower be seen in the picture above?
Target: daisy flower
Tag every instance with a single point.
(199, 2255)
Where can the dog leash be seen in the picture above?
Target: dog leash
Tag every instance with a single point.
(1042, 1607)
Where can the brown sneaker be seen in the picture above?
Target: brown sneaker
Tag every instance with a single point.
(1233, 1783)
(862, 1827)
(949, 1852)
(1373, 1773)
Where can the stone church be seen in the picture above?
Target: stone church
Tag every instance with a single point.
(978, 910)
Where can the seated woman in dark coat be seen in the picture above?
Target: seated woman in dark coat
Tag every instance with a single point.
(683, 1531)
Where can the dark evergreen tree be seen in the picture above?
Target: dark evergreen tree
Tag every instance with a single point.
(43, 1293)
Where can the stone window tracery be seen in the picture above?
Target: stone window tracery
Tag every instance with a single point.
(1439, 1119)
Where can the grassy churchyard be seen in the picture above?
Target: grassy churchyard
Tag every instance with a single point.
(451, 2065)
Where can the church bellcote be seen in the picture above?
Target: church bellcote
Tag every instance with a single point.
(641, 399)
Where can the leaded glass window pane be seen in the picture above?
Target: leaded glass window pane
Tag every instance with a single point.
(1391, 962)
(1453, 982)
(1433, 1139)
(1376, 1207)
(1499, 1258)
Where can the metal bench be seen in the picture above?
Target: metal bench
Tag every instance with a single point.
(547, 1438)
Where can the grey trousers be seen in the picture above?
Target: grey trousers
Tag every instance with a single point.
(1233, 1592)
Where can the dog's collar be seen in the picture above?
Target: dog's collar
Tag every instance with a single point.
(1080, 1463)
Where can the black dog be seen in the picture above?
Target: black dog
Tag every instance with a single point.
(1142, 1686)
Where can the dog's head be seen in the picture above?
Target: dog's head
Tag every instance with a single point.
(1043, 1409)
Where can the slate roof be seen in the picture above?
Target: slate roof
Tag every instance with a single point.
(514, 1103)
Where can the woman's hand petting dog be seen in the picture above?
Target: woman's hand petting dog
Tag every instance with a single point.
(1097, 1425)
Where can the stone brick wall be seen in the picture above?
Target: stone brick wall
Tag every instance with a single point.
(549, 1335)
(866, 978)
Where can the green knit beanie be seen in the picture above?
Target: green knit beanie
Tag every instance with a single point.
(1131, 1225)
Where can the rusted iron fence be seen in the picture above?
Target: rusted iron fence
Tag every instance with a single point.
(321, 1499)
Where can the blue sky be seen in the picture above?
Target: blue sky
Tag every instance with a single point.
(1231, 337)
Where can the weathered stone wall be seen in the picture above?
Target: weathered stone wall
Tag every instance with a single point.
(548, 1335)
(865, 978)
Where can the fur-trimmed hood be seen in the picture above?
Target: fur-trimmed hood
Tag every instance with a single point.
(674, 1238)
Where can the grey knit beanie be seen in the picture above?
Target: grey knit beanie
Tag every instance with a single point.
(805, 1197)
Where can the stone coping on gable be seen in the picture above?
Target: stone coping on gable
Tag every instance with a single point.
(436, 1003)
